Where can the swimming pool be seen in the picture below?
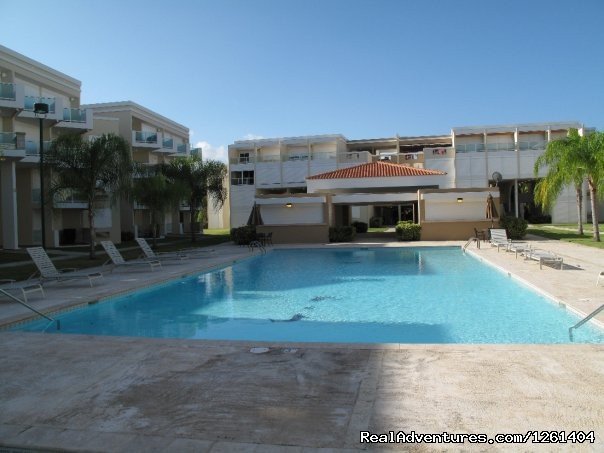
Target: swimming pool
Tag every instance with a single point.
(381, 295)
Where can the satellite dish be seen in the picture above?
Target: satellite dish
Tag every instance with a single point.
(496, 176)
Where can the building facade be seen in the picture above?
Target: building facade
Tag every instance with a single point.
(470, 159)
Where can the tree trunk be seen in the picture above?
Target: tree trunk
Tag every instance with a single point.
(192, 212)
(593, 190)
(154, 229)
(92, 231)
(579, 190)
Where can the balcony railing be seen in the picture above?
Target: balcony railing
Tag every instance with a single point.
(31, 100)
(35, 196)
(145, 137)
(537, 145)
(8, 91)
(323, 156)
(74, 115)
(12, 140)
(168, 143)
(69, 196)
(181, 148)
(469, 148)
(501, 147)
(32, 147)
(295, 157)
(269, 158)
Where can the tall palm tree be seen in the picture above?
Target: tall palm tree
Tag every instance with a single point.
(572, 160)
(92, 168)
(200, 179)
(153, 189)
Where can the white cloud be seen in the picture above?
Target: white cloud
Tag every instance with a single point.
(211, 152)
(252, 137)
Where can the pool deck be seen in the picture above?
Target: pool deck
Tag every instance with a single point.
(87, 393)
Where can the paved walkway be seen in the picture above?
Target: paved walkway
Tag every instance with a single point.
(87, 393)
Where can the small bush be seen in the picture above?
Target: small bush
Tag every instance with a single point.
(544, 218)
(361, 227)
(127, 236)
(408, 231)
(243, 235)
(376, 222)
(342, 234)
(515, 227)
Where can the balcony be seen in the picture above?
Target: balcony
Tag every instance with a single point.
(69, 199)
(147, 139)
(11, 98)
(510, 146)
(32, 147)
(469, 148)
(12, 144)
(240, 160)
(168, 144)
(76, 119)
(182, 148)
(55, 107)
(535, 145)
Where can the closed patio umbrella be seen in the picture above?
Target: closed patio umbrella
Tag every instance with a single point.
(491, 209)
(255, 218)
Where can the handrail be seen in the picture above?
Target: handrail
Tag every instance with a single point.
(16, 299)
(584, 320)
(472, 239)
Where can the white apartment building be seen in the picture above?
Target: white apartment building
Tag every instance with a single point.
(24, 82)
(469, 159)
(154, 139)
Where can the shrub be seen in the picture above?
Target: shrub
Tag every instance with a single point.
(515, 227)
(408, 231)
(543, 218)
(243, 235)
(361, 227)
(342, 234)
(127, 236)
(376, 222)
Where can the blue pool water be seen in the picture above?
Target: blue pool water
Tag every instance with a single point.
(404, 295)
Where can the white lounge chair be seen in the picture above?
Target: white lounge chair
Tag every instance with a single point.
(26, 287)
(179, 254)
(544, 256)
(118, 260)
(518, 247)
(499, 238)
(48, 271)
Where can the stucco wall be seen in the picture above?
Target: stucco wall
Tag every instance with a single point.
(458, 230)
(289, 234)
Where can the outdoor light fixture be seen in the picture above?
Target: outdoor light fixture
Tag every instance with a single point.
(460, 200)
(288, 205)
(41, 110)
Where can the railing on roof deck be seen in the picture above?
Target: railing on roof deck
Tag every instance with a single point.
(535, 145)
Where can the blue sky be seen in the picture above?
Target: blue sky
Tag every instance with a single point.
(234, 69)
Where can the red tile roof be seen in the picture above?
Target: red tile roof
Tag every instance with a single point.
(378, 169)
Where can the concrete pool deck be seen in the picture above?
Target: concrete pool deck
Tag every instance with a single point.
(87, 393)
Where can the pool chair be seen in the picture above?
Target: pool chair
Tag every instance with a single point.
(48, 271)
(518, 247)
(117, 260)
(543, 256)
(26, 287)
(179, 254)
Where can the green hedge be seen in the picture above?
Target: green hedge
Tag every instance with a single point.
(408, 231)
(376, 222)
(515, 227)
(361, 227)
(243, 235)
(342, 234)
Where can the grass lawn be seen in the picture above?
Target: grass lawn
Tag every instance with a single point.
(377, 230)
(130, 250)
(568, 233)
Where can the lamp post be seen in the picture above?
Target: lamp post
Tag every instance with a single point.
(41, 110)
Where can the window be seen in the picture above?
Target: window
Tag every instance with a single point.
(239, 178)
(244, 158)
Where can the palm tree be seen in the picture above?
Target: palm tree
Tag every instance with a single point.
(92, 168)
(200, 179)
(153, 189)
(572, 160)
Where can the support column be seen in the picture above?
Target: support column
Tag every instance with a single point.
(516, 203)
(8, 205)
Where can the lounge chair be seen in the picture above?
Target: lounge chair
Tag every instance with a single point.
(518, 247)
(118, 260)
(179, 254)
(499, 238)
(543, 256)
(25, 287)
(48, 271)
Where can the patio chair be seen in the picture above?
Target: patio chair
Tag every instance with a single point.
(518, 247)
(25, 287)
(117, 260)
(544, 256)
(179, 254)
(48, 271)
